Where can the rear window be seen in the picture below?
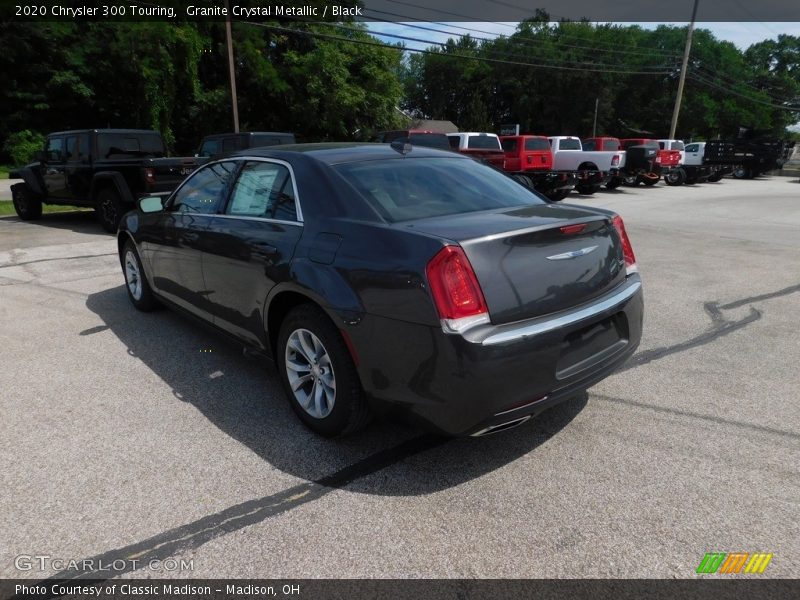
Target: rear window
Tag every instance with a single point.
(628, 143)
(611, 145)
(509, 145)
(430, 140)
(589, 145)
(454, 141)
(401, 190)
(112, 145)
(483, 142)
(574, 144)
(677, 146)
(537, 144)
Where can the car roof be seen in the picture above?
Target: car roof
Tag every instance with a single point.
(150, 131)
(213, 135)
(342, 152)
(474, 133)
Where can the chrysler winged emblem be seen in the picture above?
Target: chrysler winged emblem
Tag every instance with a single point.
(573, 254)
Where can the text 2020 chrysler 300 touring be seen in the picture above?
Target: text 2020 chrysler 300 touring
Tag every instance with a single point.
(383, 279)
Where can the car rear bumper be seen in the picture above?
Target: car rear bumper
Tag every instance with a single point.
(468, 384)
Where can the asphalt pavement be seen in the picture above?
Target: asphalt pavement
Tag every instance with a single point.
(143, 435)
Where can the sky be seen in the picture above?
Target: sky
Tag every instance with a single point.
(742, 35)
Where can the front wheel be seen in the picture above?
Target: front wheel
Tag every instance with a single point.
(139, 292)
(675, 177)
(27, 206)
(319, 375)
(558, 195)
(650, 179)
(109, 209)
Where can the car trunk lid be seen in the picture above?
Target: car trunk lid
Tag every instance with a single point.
(535, 260)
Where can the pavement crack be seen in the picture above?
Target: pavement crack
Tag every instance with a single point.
(193, 535)
(14, 258)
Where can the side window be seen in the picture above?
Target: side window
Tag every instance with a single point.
(229, 145)
(55, 149)
(204, 190)
(77, 148)
(265, 190)
(209, 148)
(661, 145)
(509, 145)
(453, 139)
(611, 145)
(589, 145)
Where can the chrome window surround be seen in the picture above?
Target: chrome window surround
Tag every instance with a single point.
(237, 159)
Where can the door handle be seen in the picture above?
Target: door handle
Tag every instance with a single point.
(267, 249)
(52, 171)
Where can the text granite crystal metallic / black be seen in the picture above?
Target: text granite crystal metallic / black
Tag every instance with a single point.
(393, 279)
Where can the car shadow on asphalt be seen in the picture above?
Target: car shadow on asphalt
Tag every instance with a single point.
(243, 398)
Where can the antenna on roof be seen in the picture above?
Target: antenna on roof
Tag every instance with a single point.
(402, 145)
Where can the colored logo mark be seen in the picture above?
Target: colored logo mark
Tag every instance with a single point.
(734, 562)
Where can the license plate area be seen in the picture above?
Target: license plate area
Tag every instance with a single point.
(592, 345)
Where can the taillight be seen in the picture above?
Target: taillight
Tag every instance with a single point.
(627, 249)
(455, 290)
(615, 160)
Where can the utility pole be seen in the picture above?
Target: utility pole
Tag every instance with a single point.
(231, 70)
(594, 127)
(674, 125)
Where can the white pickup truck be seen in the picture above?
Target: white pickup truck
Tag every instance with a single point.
(695, 168)
(594, 168)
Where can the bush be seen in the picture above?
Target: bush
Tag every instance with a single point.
(21, 147)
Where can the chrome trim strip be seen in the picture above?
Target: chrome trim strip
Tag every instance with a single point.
(501, 426)
(522, 332)
(264, 219)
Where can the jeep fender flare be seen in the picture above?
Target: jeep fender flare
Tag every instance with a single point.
(28, 175)
(114, 180)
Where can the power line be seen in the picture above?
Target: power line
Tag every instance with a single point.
(728, 90)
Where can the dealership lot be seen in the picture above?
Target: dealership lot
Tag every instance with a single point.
(143, 436)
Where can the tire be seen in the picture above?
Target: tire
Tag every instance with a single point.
(675, 177)
(139, 292)
(27, 206)
(558, 195)
(614, 183)
(310, 346)
(524, 180)
(109, 209)
(631, 180)
(650, 181)
(715, 177)
(587, 189)
(743, 173)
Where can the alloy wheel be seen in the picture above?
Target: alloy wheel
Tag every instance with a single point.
(133, 276)
(310, 373)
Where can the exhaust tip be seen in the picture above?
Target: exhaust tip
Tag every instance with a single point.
(501, 427)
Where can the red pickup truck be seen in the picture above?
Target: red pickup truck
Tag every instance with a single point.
(529, 160)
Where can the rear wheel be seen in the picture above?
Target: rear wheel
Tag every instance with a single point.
(587, 188)
(675, 177)
(631, 180)
(139, 292)
(743, 173)
(715, 177)
(109, 209)
(27, 206)
(318, 373)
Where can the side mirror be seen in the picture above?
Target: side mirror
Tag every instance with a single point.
(152, 204)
